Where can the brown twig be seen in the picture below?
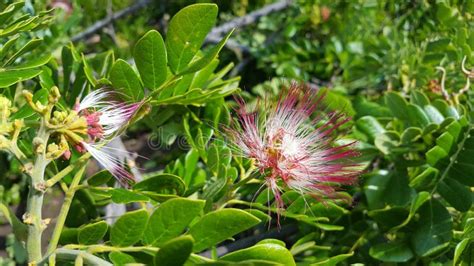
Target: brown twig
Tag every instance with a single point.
(109, 19)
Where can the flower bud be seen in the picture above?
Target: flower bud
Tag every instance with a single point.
(4, 142)
(5, 108)
(38, 145)
(54, 95)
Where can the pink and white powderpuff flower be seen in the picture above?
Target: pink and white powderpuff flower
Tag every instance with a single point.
(105, 119)
(291, 149)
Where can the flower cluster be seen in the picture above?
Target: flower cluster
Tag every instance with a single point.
(293, 150)
(6, 127)
(89, 126)
(102, 119)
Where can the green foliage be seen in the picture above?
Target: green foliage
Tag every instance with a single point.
(219, 225)
(186, 33)
(129, 228)
(196, 195)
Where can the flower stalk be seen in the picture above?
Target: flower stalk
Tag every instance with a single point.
(71, 191)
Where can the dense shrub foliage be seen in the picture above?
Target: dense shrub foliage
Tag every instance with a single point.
(349, 139)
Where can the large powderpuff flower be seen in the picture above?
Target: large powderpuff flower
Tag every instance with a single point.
(291, 149)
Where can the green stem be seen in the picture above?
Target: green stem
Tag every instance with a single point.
(68, 254)
(53, 180)
(164, 85)
(245, 178)
(33, 216)
(64, 210)
(103, 248)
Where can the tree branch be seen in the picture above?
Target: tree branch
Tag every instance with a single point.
(248, 19)
(109, 19)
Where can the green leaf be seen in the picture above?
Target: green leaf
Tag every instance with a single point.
(32, 63)
(416, 203)
(162, 183)
(120, 258)
(397, 104)
(150, 58)
(10, 77)
(125, 80)
(67, 59)
(99, 178)
(218, 156)
(120, 195)
(208, 57)
(419, 98)
(445, 109)
(456, 194)
(384, 188)
(468, 231)
(445, 141)
(186, 33)
(88, 71)
(91, 233)
(460, 247)
(10, 10)
(386, 142)
(435, 155)
(416, 116)
(390, 216)
(438, 45)
(392, 252)
(262, 251)
(190, 164)
(332, 261)
(175, 252)
(433, 230)
(32, 44)
(68, 236)
(462, 165)
(434, 115)
(370, 126)
(19, 229)
(6, 46)
(220, 225)
(129, 228)
(410, 134)
(170, 219)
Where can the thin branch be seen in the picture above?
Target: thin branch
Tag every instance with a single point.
(216, 33)
(109, 19)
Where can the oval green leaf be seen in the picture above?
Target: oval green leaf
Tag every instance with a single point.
(129, 228)
(92, 233)
(125, 80)
(391, 252)
(265, 251)
(220, 225)
(175, 252)
(150, 58)
(186, 33)
(163, 184)
(170, 219)
(433, 231)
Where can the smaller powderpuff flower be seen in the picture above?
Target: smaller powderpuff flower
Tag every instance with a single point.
(104, 118)
(291, 149)
(101, 120)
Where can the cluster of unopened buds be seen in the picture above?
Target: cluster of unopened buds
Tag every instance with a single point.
(87, 127)
(9, 130)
